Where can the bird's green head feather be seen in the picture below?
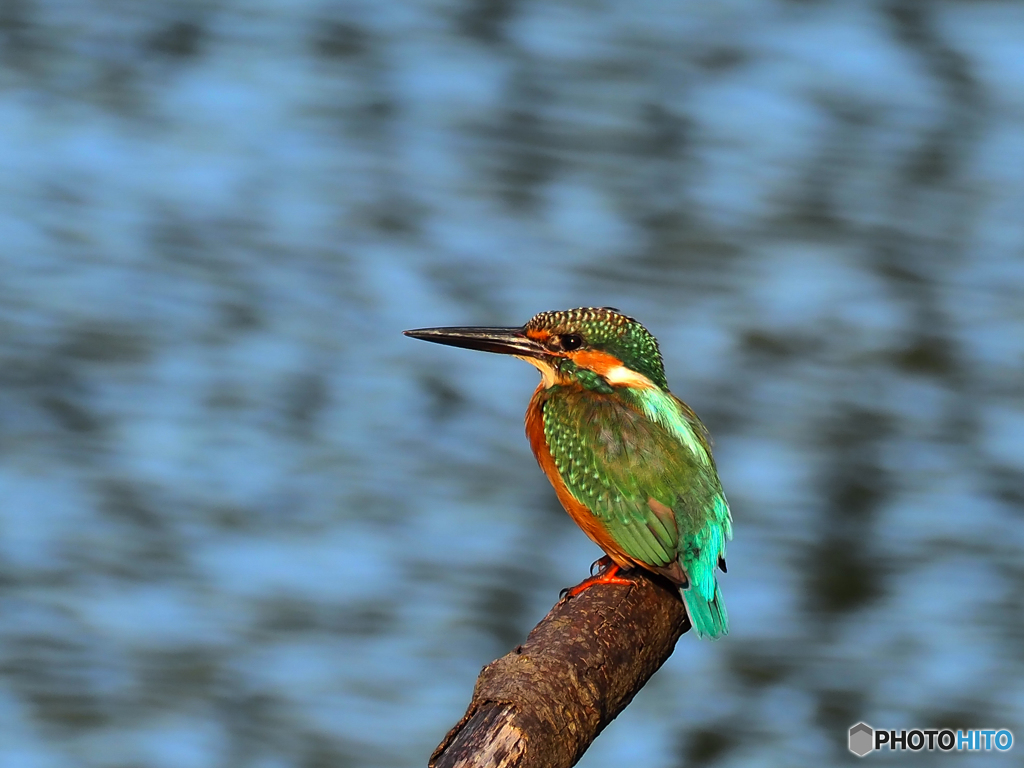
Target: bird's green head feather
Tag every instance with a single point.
(600, 342)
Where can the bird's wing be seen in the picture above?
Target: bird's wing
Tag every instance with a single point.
(647, 482)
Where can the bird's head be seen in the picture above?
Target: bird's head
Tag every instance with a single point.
(597, 348)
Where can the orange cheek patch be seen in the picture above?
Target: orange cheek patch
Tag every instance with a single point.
(538, 334)
(610, 368)
(598, 362)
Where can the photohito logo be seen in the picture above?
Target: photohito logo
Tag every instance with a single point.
(865, 739)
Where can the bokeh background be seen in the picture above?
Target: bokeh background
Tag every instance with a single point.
(245, 522)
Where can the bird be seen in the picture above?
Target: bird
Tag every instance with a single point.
(629, 461)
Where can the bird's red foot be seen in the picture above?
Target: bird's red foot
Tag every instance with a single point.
(608, 575)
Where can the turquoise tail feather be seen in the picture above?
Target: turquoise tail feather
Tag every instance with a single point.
(708, 617)
(702, 555)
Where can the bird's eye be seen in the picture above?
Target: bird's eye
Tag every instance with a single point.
(571, 341)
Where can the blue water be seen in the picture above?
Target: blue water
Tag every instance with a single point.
(245, 522)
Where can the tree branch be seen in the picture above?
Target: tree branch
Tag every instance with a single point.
(546, 701)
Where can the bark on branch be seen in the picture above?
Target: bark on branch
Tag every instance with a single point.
(545, 702)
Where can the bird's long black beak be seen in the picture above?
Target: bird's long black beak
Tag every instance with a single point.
(503, 341)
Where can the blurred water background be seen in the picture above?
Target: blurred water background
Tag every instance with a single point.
(244, 522)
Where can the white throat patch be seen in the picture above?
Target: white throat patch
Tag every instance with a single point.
(549, 378)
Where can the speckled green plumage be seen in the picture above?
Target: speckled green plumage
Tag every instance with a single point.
(614, 459)
(625, 453)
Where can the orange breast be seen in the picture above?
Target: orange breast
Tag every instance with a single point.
(577, 511)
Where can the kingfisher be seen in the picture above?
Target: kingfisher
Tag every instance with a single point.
(630, 462)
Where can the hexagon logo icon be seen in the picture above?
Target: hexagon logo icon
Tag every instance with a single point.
(862, 739)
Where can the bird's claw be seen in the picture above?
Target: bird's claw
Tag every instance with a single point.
(606, 575)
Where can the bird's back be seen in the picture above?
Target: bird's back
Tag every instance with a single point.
(636, 469)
